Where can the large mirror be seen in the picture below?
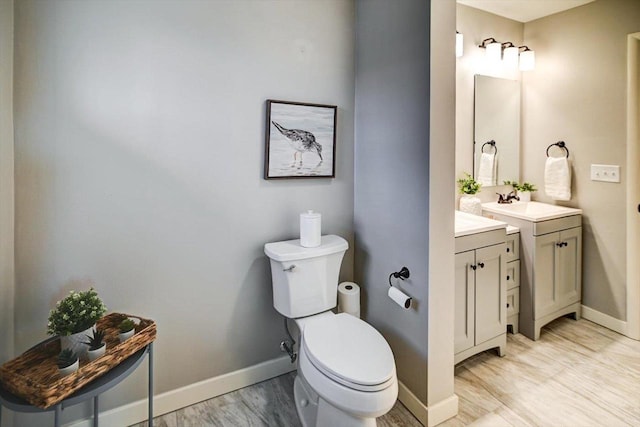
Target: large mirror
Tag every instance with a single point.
(496, 153)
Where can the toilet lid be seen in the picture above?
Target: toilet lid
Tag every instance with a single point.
(349, 350)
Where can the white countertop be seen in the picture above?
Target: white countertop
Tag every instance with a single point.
(471, 224)
(530, 211)
(512, 230)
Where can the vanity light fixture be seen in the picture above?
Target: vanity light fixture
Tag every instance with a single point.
(493, 51)
(510, 55)
(527, 59)
(459, 44)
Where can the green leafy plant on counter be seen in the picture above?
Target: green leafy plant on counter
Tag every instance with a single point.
(468, 185)
(524, 187)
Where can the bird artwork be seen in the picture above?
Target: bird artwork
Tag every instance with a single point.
(301, 141)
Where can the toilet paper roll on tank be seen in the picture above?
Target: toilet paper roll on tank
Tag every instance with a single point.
(349, 298)
(310, 229)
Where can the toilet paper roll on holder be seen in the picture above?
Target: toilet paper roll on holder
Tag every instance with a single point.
(396, 294)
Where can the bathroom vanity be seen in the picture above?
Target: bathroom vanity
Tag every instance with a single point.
(480, 286)
(551, 260)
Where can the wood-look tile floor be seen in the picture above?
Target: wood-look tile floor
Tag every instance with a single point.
(578, 374)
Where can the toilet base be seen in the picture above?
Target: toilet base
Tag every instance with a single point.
(314, 411)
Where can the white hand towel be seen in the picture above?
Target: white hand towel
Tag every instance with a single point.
(487, 169)
(557, 178)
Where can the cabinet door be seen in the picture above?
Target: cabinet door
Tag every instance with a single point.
(491, 293)
(464, 302)
(545, 267)
(570, 266)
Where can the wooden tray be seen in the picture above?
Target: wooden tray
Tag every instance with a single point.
(34, 376)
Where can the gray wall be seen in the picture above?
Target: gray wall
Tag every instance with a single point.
(6, 181)
(392, 174)
(577, 93)
(139, 161)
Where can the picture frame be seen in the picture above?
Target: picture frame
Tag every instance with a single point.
(300, 140)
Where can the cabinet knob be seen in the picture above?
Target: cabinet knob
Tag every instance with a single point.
(508, 277)
(508, 250)
(507, 305)
(473, 267)
(481, 264)
(559, 244)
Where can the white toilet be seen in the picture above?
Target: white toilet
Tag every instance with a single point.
(346, 372)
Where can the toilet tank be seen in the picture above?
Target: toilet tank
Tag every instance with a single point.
(305, 280)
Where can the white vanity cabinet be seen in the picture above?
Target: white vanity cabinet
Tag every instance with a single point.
(480, 294)
(551, 262)
(557, 267)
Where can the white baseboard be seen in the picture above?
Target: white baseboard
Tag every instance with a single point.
(413, 404)
(428, 416)
(617, 325)
(442, 411)
(193, 393)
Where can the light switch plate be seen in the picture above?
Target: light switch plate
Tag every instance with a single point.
(606, 173)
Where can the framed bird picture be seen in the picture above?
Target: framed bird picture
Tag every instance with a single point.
(300, 140)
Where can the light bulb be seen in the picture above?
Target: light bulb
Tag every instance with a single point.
(494, 52)
(459, 44)
(510, 57)
(527, 60)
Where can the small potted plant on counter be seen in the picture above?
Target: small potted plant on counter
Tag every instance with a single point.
(127, 329)
(96, 344)
(524, 191)
(68, 362)
(469, 202)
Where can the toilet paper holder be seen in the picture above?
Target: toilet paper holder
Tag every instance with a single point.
(402, 275)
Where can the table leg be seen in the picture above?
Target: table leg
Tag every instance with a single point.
(56, 419)
(96, 411)
(150, 384)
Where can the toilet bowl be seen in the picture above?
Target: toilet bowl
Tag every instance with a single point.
(346, 370)
(346, 373)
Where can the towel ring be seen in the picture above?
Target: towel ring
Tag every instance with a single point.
(560, 144)
(491, 143)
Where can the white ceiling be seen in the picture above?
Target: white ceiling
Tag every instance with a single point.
(524, 10)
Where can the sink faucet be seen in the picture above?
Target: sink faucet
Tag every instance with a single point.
(502, 199)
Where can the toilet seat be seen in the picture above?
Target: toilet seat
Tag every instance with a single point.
(350, 352)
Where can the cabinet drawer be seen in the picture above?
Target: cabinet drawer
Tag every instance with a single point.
(513, 301)
(513, 274)
(513, 247)
(553, 225)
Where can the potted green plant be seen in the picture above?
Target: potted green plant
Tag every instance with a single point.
(74, 317)
(96, 344)
(127, 329)
(469, 202)
(68, 362)
(524, 191)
